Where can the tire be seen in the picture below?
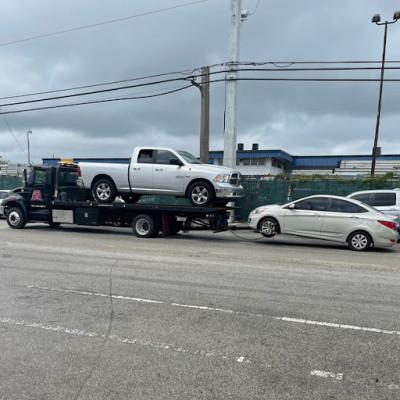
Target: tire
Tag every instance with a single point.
(104, 191)
(268, 227)
(16, 218)
(145, 226)
(201, 194)
(359, 241)
(53, 224)
(130, 198)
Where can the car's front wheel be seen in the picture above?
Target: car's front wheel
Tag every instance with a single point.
(201, 194)
(268, 227)
(359, 241)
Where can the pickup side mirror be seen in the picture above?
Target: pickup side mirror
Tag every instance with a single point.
(175, 161)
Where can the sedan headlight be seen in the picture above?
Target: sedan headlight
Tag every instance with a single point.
(222, 178)
(257, 211)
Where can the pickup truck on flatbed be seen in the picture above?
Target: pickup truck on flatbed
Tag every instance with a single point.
(55, 195)
(162, 171)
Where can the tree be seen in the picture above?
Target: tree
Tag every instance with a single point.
(3, 161)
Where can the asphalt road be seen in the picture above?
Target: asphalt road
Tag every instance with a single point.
(96, 313)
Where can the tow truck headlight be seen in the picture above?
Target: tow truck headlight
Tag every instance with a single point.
(222, 178)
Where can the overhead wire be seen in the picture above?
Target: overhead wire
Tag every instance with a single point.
(101, 23)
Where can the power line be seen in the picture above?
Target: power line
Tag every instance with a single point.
(96, 101)
(101, 23)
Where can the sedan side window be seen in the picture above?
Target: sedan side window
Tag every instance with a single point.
(384, 199)
(316, 203)
(338, 205)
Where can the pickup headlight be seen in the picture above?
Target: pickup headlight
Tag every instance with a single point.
(222, 178)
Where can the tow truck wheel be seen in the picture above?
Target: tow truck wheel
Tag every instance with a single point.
(201, 194)
(145, 226)
(104, 191)
(16, 218)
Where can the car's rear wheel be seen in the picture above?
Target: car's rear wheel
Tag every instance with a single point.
(268, 227)
(359, 241)
(104, 191)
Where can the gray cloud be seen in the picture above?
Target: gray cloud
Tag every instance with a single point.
(298, 117)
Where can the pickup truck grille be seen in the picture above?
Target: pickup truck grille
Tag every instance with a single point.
(235, 179)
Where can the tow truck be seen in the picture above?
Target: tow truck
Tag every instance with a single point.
(55, 194)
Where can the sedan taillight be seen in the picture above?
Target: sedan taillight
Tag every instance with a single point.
(389, 224)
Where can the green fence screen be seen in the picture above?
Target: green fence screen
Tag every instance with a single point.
(260, 192)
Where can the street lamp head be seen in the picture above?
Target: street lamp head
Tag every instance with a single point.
(396, 15)
(376, 18)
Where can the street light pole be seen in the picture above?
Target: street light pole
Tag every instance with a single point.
(376, 19)
(29, 149)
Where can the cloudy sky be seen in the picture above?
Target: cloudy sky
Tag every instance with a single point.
(59, 48)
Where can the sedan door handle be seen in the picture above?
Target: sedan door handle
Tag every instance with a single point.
(136, 169)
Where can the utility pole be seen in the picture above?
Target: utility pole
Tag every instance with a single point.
(377, 20)
(205, 115)
(29, 149)
(230, 133)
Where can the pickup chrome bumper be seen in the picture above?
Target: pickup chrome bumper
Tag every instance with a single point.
(228, 191)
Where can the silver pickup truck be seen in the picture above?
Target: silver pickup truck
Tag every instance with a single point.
(162, 171)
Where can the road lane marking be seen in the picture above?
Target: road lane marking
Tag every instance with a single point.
(82, 292)
(326, 374)
(341, 326)
(225, 311)
(125, 340)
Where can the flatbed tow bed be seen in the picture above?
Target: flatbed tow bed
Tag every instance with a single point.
(146, 219)
(54, 195)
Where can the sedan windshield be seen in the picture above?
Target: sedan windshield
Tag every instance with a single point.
(188, 157)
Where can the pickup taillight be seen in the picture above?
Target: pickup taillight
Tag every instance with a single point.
(389, 224)
(79, 171)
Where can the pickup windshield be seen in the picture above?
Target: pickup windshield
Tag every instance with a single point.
(188, 157)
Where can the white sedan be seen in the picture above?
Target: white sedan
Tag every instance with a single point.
(333, 218)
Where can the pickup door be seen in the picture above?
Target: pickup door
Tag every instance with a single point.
(153, 172)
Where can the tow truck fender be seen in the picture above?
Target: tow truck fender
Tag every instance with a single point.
(15, 201)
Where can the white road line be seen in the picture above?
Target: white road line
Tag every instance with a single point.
(94, 294)
(127, 340)
(326, 374)
(341, 326)
(226, 311)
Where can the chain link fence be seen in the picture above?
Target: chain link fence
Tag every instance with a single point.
(259, 191)
(280, 191)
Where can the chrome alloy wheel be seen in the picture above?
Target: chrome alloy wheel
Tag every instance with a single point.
(200, 195)
(103, 191)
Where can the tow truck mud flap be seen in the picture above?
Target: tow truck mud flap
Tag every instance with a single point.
(63, 216)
